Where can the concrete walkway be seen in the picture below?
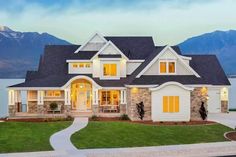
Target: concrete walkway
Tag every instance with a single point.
(61, 140)
(188, 150)
(227, 119)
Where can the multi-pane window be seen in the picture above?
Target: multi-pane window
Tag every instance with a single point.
(167, 67)
(109, 70)
(170, 104)
(110, 97)
(52, 93)
(81, 65)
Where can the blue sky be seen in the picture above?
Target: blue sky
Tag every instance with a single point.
(168, 21)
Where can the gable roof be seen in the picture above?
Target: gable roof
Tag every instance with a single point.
(82, 55)
(209, 76)
(92, 37)
(156, 57)
(114, 46)
(136, 47)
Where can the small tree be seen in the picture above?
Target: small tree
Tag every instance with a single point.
(140, 110)
(203, 111)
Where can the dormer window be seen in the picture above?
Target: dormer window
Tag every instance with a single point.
(109, 70)
(167, 67)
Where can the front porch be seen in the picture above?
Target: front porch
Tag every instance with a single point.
(79, 97)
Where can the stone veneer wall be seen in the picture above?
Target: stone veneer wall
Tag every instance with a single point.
(135, 96)
(95, 109)
(12, 110)
(196, 101)
(224, 106)
(32, 106)
(122, 108)
(42, 109)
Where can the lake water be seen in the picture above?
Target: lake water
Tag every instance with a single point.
(8, 82)
(4, 94)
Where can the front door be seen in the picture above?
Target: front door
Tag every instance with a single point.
(81, 100)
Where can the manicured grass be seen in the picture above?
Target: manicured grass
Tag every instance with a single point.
(28, 136)
(123, 134)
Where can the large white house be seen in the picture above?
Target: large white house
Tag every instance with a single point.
(108, 76)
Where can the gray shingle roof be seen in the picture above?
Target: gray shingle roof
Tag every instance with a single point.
(53, 69)
(134, 47)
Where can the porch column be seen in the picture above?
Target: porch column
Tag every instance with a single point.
(95, 96)
(11, 102)
(67, 96)
(123, 104)
(40, 97)
(123, 96)
(67, 106)
(95, 107)
(11, 97)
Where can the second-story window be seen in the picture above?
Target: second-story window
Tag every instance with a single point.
(109, 70)
(81, 65)
(167, 67)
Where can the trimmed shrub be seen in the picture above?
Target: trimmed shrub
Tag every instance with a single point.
(124, 117)
(94, 117)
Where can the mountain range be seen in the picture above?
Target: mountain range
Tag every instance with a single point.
(20, 51)
(220, 43)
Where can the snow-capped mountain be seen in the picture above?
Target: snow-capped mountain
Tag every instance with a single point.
(20, 51)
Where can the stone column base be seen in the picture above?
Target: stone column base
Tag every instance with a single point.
(95, 109)
(122, 108)
(67, 109)
(12, 110)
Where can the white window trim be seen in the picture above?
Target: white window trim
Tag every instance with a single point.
(117, 77)
(167, 66)
(53, 94)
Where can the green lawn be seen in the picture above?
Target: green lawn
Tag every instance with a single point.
(123, 134)
(28, 136)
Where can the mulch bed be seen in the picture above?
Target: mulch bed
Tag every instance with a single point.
(231, 135)
(151, 122)
(37, 120)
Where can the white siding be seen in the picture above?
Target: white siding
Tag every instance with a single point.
(131, 66)
(214, 104)
(181, 69)
(184, 104)
(95, 44)
(96, 67)
(110, 50)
